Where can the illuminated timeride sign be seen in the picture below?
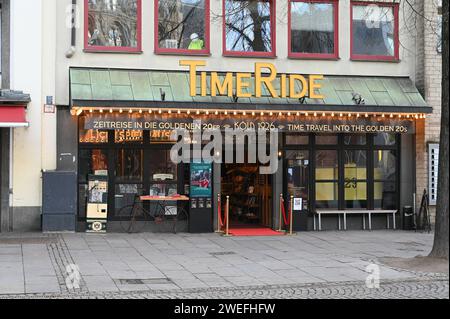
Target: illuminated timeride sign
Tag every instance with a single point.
(235, 84)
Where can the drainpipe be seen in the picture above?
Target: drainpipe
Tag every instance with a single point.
(71, 51)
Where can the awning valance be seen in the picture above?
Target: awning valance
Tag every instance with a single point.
(13, 116)
(111, 88)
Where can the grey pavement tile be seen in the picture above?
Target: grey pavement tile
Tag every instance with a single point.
(12, 289)
(100, 283)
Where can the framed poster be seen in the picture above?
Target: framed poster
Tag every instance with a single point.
(201, 180)
(298, 203)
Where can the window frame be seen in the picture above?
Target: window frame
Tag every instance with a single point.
(106, 49)
(271, 54)
(383, 58)
(205, 51)
(319, 56)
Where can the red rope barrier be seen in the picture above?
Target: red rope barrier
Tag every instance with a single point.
(283, 210)
(219, 213)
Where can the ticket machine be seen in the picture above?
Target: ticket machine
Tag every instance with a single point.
(97, 203)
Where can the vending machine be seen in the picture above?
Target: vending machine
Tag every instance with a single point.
(97, 204)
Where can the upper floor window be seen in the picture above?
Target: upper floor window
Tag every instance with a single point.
(374, 31)
(249, 27)
(113, 25)
(313, 29)
(182, 26)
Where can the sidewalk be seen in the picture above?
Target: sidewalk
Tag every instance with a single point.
(36, 263)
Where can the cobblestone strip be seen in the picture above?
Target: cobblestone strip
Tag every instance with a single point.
(60, 257)
(394, 289)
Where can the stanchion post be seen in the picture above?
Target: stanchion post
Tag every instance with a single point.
(291, 215)
(280, 217)
(219, 227)
(227, 212)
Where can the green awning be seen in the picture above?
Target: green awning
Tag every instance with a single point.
(150, 88)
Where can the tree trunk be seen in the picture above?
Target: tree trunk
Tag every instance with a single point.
(441, 239)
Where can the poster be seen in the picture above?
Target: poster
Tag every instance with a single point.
(298, 203)
(201, 183)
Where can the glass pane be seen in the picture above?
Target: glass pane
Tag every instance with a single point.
(355, 194)
(385, 195)
(82, 200)
(312, 27)
(373, 30)
(92, 161)
(248, 25)
(326, 165)
(90, 136)
(384, 164)
(355, 165)
(181, 24)
(298, 175)
(125, 195)
(162, 136)
(129, 165)
(327, 195)
(161, 166)
(355, 139)
(128, 136)
(163, 189)
(112, 23)
(324, 139)
(384, 139)
(297, 139)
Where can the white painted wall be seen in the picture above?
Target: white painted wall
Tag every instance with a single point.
(149, 60)
(33, 71)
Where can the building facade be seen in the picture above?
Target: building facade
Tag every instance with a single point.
(335, 78)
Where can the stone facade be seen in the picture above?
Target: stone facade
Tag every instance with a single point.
(428, 80)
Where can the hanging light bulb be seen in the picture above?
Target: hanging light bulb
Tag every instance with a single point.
(332, 114)
(216, 113)
(198, 112)
(262, 113)
(289, 113)
(179, 112)
(101, 110)
(306, 114)
(120, 111)
(298, 113)
(366, 115)
(271, 113)
(159, 111)
(110, 110)
(323, 114)
(130, 111)
(244, 113)
(150, 111)
(140, 111)
(90, 111)
(169, 111)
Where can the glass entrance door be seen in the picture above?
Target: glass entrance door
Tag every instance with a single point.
(128, 176)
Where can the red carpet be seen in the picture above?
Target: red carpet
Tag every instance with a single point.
(254, 232)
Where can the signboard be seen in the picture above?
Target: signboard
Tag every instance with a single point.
(433, 166)
(237, 84)
(294, 124)
(201, 181)
(298, 203)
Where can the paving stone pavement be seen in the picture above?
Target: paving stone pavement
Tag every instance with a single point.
(149, 265)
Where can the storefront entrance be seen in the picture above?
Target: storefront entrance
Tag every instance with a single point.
(250, 195)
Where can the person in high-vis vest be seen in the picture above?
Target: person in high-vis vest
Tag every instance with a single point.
(196, 42)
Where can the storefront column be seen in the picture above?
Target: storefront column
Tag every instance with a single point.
(217, 190)
(277, 188)
(67, 141)
(407, 171)
(5, 213)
